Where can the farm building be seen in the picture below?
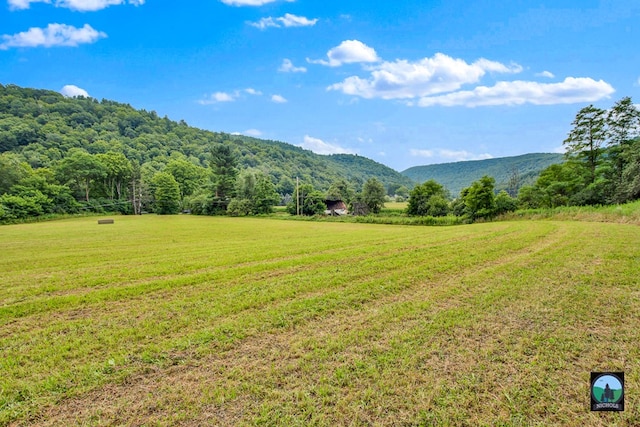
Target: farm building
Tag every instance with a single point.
(336, 208)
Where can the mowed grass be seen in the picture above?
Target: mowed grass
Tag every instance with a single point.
(219, 321)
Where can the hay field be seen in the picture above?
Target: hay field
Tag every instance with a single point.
(186, 320)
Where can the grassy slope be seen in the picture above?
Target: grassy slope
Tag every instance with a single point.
(629, 213)
(196, 320)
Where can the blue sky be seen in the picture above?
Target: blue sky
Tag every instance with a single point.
(405, 83)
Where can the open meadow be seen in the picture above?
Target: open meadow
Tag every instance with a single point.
(184, 320)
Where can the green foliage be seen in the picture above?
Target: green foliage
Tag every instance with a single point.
(603, 162)
(623, 122)
(20, 207)
(166, 194)
(118, 170)
(428, 199)
(41, 129)
(309, 202)
(340, 190)
(189, 176)
(587, 137)
(240, 207)
(457, 206)
(103, 150)
(505, 203)
(479, 199)
(510, 173)
(373, 195)
(199, 204)
(313, 203)
(12, 170)
(401, 191)
(81, 169)
(530, 197)
(255, 195)
(265, 196)
(223, 174)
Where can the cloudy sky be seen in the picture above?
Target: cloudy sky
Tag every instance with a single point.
(405, 83)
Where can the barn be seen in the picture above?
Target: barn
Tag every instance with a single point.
(336, 208)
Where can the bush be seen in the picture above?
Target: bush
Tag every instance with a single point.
(428, 199)
(17, 207)
(240, 207)
(199, 205)
(505, 203)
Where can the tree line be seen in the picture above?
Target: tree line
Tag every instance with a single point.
(65, 155)
(602, 161)
(62, 155)
(602, 166)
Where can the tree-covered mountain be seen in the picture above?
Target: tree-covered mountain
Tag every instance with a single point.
(510, 173)
(43, 127)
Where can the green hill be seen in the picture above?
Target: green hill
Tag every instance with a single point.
(599, 391)
(509, 172)
(42, 126)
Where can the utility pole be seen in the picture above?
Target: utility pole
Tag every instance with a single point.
(133, 196)
(297, 196)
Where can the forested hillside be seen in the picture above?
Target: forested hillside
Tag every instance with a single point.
(510, 173)
(41, 130)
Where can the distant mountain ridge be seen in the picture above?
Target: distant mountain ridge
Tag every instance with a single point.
(522, 170)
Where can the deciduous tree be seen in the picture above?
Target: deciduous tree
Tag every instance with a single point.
(480, 200)
(586, 139)
(373, 195)
(81, 168)
(166, 194)
(428, 198)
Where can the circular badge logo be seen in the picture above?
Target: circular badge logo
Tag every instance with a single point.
(607, 388)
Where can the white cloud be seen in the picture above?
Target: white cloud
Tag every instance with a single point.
(421, 153)
(218, 97)
(80, 5)
(560, 149)
(438, 80)
(348, 52)
(252, 132)
(249, 2)
(72, 91)
(265, 23)
(318, 146)
(449, 155)
(571, 90)
(288, 20)
(53, 35)
(637, 82)
(462, 155)
(288, 67)
(279, 99)
(547, 74)
(24, 4)
(403, 79)
(223, 97)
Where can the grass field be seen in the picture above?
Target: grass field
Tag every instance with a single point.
(185, 320)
